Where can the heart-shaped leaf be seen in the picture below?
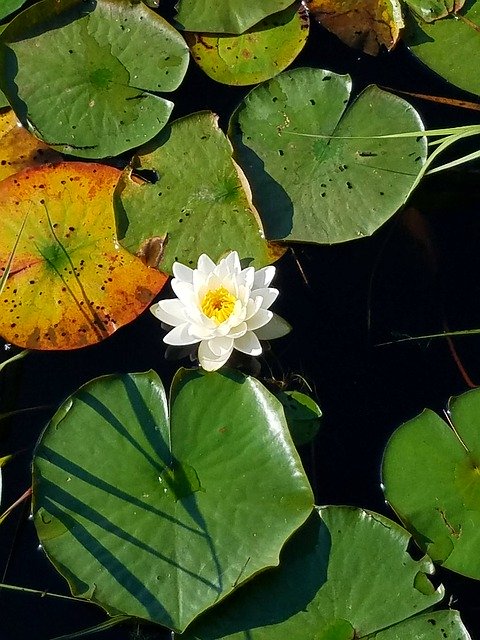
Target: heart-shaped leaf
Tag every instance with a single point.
(309, 186)
(199, 203)
(345, 575)
(365, 25)
(160, 517)
(431, 474)
(19, 149)
(227, 16)
(69, 284)
(459, 35)
(83, 74)
(257, 55)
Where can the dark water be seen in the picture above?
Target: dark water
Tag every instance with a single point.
(417, 273)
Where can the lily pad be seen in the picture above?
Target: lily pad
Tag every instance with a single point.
(69, 283)
(19, 149)
(7, 7)
(430, 10)
(431, 474)
(310, 187)
(83, 75)
(228, 16)
(198, 202)
(366, 25)
(257, 55)
(345, 574)
(459, 35)
(3, 98)
(127, 499)
(303, 415)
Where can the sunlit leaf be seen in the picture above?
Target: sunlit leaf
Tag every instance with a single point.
(83, 75)
(345, 575)
(365, 25)
(198, 201)
(303, 415)
(310, 187)
(459, 35)
(430, 10)
(227, 16)
(19, 149)
(70, 284)
(257, 55)
(431, 474)
(9, 6)
(160, 516)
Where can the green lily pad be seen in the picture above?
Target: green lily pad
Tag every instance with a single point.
(345, 574)
(211, 213)
(457, 34)
(9, 6)
(159, 514)
(228, 16)
(108, 58)
(303, 415)
(3, 98)
(430, 10)
(257, 55)
(431, 474)
(322, 189)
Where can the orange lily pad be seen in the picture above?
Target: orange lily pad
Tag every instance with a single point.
(19, 148)
(70, 284)
(365, 25)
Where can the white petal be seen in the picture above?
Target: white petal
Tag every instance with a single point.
(276, 328)
(219, 346)
(249, 344)
(171, 311)
(263, 277)
(238, 331)
(269, 296)
(184, 292)
(208, 360)
(200, 332)
(246, 277)
(232, 262)
(253, 306)
(179, 336)
(205, 264)
(182, 272)
(261, 318)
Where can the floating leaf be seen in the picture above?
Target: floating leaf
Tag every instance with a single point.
(430, 10)
(3, 98)
(459, 35)
(257, 55)
(228, 16)
(431, 473)
(70, 284)
(19, 149)
(200, 202)
(303, 415)
(82, 74)
(127, 503)
(9, 6)
(313, 188)
(365, 25)
(345, 574)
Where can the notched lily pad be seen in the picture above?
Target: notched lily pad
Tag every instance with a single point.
(194, 200)
(431, 475)
(257, 55)
(366, 25)
(144, 537)
(19, 149)
(430, 10)
(227, 16)
(69, 284)
(317, 171)
(345, 575)
(83, 74)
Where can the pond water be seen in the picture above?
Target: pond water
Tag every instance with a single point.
(417, 275)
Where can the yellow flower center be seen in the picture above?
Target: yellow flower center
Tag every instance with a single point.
(218, 304)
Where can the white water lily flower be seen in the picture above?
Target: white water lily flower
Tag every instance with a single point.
(222, 307)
